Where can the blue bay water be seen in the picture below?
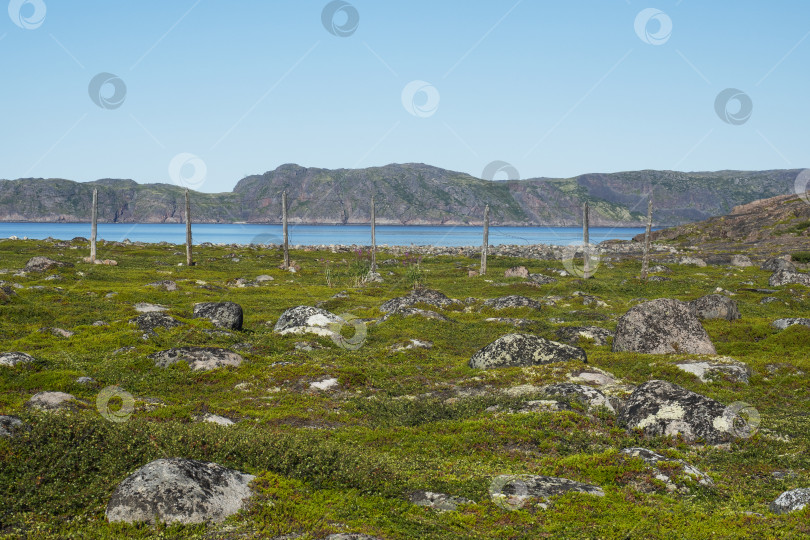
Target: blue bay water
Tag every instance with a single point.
(394, 235)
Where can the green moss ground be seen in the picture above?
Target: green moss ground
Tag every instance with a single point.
(345, 459)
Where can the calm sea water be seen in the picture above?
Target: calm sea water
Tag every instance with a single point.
(395, 235)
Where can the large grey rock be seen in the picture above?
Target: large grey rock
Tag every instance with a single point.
(148, 322)
(715, 306)
(664, 467)
(661, 326)
(9, 425)
(524, 350)
(13, 358)
(198, 358)
(777, 263)
(791, 501)
(579, 392)
(661, 408)
(512, 491)
(789, 277)
(512, 301)
(572, 334)
(717, 368)
(307, 319)
(222, 314)
(781, 324)
(41, 264)
(177, 490)
(50, 401)
(418, 296)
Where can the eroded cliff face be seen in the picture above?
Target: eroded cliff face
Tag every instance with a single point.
(406, 194)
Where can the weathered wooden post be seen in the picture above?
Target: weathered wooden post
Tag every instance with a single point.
(284, 230)
(586, 250)
(94, 226)
(645, 262)
(373, 237)
(189, 260)
(485, 246)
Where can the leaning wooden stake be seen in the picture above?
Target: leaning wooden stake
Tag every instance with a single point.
(284, 230)
(485, 245)
(373, 237)
(586, 250)
(645, 262)
(94, 227)
(189, 260)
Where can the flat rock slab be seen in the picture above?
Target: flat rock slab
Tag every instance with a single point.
(573, 334)
(415, 312)
(660, 408)
(791, 501)
(165, 284)
(145, 307)
(664, 465)
(520, 323)
(593, 375)
(41, 264)
(438, 501)
(662, 326)
(179, 490)
(198, 358)
(512, 301)
(308, 319)
(13, 358)
(512, 491)
(579, 392)
(418, 296)
(717, 368)
(715, 306)
(222, 314)
(781, 324)
(524, 350)
(9, 425)
(411, 344)
(148, 322)
(50, 401)
(789, 277)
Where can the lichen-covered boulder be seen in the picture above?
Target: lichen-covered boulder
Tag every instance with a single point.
(148, 322)
(9, 425)
(307, 319)
(662, 326)
(437, 501)
(198, 358)
(723, 367)
(715, 306)
(418, 296)
(50, 401)
(513, 491)
(777, 263)
(222, 314)
(177, 490)
(41, 264)
(572, 334)
(13, 358)
(781, 324)
(579, 392)
(661, 408)
(524, 350)
(512, 301)
(789, 277)
(791, 501)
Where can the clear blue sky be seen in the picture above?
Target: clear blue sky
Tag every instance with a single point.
(555, 88)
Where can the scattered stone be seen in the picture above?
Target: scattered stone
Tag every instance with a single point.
(222, 314)
(661, 326)
(307, 319)
(50, 401)
(216, 419)
(472, 273)
(415, 312)
(791, 501)
(264, 278)
(665, 473)
(165, 284)
(722, 367)
(13, 358)
(144, 307)
(517, 271)
(325, 384)
(519, 323)
(661, 408)
(776, 264)
(593, 375)
(152, 320)
(659, 269)
(512, 301)
(540, 279)
(542, 405)
(373, 277)
(53, 277)
(693, 261)
(437, 501)
(512, 491)
(8, 425)
(658, 278)
(741, 261)
(418, 296)
(768, 300)
(585, 394)
(85, 380)
(781, 324)
(524, 350)
(307, 346)
(410, 345)
(100, 323)
(178, 490)
(573, 334)
(788, 277)
(715, 306)
(41, 264)
(123, 350)
(198, 358)
(58, 332)
(590, 300)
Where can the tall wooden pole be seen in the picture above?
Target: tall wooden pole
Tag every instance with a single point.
(373, 237)
(586, 251)
(189, 260)
(645, 262)
(284, 230)
(485, 245)
(94, 227)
